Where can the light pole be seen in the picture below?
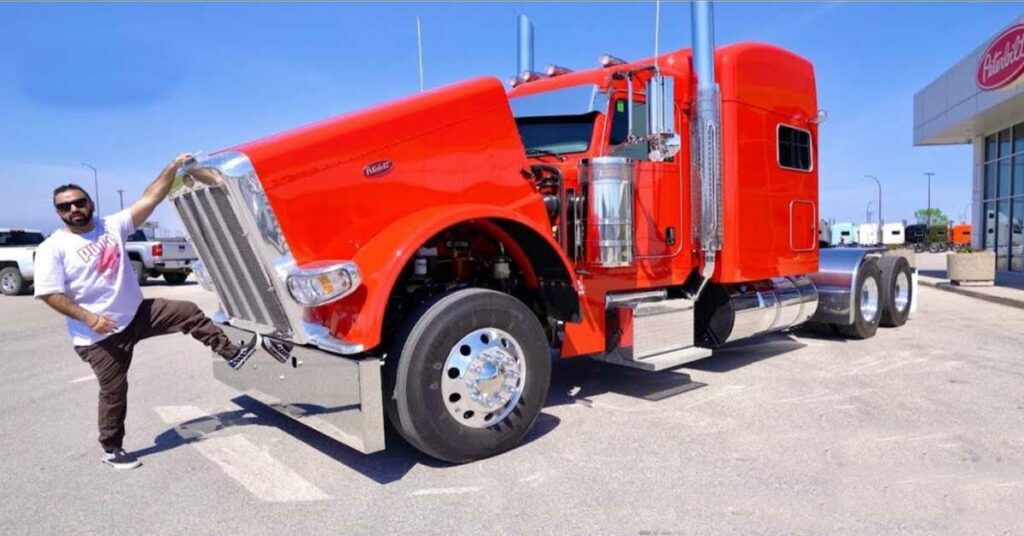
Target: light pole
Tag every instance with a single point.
(929, 175)
(120, 196)
(868, 211)
(95, 186)
(874, 178)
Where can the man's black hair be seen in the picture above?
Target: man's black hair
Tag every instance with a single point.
(70, 186)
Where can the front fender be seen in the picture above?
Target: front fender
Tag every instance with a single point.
(358, 318)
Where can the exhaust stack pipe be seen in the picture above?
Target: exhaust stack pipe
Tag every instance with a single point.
(706, 153)
(524, 51)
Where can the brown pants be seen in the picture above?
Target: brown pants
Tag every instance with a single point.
(111, 357)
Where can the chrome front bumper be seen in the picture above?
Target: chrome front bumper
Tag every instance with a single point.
(335, 395)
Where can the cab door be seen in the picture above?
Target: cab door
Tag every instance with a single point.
(657, 194)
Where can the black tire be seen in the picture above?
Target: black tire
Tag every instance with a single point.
(11, 282)
(897, 291)
(175, 278)
(933, 248)
(140, 272)
(415, 370)
(919, 248)
(865, 322)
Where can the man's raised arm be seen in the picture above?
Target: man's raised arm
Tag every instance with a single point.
(157, 190)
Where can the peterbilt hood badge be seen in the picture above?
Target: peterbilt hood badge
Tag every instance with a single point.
(378, 168)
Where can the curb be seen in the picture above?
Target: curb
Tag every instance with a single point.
(946, 286)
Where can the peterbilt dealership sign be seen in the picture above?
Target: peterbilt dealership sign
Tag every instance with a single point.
(1003, 60)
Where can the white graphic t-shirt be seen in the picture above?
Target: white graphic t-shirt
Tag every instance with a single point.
(93, 270)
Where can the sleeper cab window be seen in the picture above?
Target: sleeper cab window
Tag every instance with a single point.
(794, 148)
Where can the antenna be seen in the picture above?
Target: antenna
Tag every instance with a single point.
(657, 31)
(419, 49)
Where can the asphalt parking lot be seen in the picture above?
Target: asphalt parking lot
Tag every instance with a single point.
(919, 430)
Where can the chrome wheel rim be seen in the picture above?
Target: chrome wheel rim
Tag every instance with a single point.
(7, 282)
(901, 291)
(869, 299)
(483, 378)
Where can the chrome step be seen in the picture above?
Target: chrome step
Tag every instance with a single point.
(653, 335)
(658, 362)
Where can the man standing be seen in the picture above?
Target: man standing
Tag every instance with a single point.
(82, 272)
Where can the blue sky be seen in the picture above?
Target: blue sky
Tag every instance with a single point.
(126, 87)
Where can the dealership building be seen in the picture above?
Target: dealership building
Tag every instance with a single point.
(980, 101)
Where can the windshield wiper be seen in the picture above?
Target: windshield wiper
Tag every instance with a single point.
(545, 152)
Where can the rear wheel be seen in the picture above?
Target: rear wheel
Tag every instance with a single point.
(896, 291)
(11, 282)
(140, 271)
(467, 375)
(175, 278)
(866, 302)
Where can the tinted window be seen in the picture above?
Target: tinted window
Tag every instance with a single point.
(20, 238)
(794, 148)
(137, 236)
(557, 133)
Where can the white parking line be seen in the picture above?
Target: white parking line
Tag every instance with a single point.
(249, 465)
(445, 491)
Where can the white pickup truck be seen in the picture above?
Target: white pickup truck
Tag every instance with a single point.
(171, 258)
(17, 259)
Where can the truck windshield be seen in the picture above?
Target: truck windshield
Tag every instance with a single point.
(20, 238)
(556, 134)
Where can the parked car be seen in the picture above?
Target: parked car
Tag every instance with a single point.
(171, 258)
(17, 259)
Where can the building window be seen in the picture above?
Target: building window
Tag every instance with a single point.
(794, 148)
(1003, 203)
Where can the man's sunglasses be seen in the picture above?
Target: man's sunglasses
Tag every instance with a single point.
(81, 202)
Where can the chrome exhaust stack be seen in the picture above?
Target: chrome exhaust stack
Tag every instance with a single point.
(706, 153)
(524, 53)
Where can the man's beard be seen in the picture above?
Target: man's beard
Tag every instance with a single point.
(78, 220)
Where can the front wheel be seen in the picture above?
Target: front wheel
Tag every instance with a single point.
(11, 282)
(467, 375)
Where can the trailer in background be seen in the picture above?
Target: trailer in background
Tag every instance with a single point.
(868, 234)
(824, 233)
(844, 234)
(960, 235)
(893, 234)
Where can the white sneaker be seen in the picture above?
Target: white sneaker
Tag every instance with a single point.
(119, 459)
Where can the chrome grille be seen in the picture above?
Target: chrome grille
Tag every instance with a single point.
(233, 264)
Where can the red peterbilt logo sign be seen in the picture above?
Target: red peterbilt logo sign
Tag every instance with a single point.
(378, 168)
(1003, 60)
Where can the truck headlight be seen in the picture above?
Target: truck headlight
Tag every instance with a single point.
(320, 283)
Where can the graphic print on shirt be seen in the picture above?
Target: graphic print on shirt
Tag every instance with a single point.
(106, 250)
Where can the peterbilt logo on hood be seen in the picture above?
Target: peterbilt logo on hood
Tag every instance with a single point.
(378, 168)
(1003, 60)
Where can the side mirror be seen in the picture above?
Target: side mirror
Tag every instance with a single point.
(664, 142)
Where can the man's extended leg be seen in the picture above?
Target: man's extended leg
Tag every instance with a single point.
(159, 316)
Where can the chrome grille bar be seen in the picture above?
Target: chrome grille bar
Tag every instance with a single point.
(237, 274)
(250, 300)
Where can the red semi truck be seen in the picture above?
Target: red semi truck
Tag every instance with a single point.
(426, 259)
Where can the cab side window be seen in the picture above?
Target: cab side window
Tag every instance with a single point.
(619, 131)
(794, 148)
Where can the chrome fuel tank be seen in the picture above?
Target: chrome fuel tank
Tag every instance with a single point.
(727, 313)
